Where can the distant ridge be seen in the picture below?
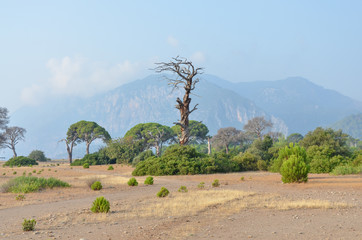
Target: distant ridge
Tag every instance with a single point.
(351, 125)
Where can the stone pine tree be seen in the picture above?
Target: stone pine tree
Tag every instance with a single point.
(184, 73)
(12, 136)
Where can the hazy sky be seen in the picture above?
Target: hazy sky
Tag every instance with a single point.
(54, 48)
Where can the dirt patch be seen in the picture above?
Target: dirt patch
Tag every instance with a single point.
(247, 205)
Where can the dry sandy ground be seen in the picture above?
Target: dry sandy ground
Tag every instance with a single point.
(260, 207)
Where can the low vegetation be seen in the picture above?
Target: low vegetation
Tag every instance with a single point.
(215, 183)
(183, 189)
(96, 186)
(163, 192)
(132, 182)
(29, 225)
(20, 161)
(100, 205)
(149, 180)
(25, 184)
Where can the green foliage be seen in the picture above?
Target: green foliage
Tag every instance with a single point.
(20, 161)
(97, 158)
(262, 166)
(20, 197)
(294, 170)
(163, 192)
(246, 161)
(96, 186)
(100, 205)
(14, 173)
(285, 153)
(183, 189)
(201, 185)
(110, 168)
(123, 150)
(86, 165)
(294, 138)
(149, 180)
(132, 182)
(150, 135)
(198, 132)
(346, 169)
(142, 156)
(29, 225)
(25, 184)
(215, 183)
(242, 178)
(38, 155)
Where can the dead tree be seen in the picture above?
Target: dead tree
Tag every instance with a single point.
(184, 72)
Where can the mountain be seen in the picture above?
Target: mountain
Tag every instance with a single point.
(146, 100)
(301, 104)
(351, 125)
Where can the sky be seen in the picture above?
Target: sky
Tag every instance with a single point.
(51, 49)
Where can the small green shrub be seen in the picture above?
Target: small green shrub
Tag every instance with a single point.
(90, 181)
(132, 182)
(29, 225)
(242, 178)
(14, 173)
(149, 180)
(96, 186)
(24, 173)
(163, 192)
(216, 183)
(34, 171)
(100, 205)
(86, 165)
(201, 185)
(4, 174)
(110, 168)
(294, 170)
(20, 197)
(183, 189)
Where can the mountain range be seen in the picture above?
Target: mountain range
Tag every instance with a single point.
(292, 104)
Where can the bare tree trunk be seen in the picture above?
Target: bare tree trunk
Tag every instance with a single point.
(13, 148)
(227, 148)
(157, 150)
(70, 152)
(208, 146)
(87, 150)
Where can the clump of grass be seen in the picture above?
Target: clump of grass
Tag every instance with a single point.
(91, 181)
(4, 174)
(201, 185)
(29, 225)
(25, 184)
(20, 197)
(110, 168)
(149, 180)
(14, 173)
(96, 186)
(163, 192)
(132, 182)
(242, 179)
(34, 171)
(183, 189)
(100, 205)
(215, 183)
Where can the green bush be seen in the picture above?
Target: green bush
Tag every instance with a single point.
(285, 153)
(201, 185)
(163, 192)
(86, 165)
(38, 155)
(149, 180)
(246, 161)
(132, 182)
(215, 183)
(96, 186)
(183, 189)
(97, 158)
(345, 170)
(262, 166)
(142, 156)
(92, 180)
(294, 170)
(20, 161)
(29, 225)
(25, 184)
(184, 160)
(110, 168)
(100, 205)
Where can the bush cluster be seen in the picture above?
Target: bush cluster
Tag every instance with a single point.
(29, 225)
(96, 186)
(163, 192)
(149, 180)
(20, 161)
(25, 184)
(97, 158)
(132, 182)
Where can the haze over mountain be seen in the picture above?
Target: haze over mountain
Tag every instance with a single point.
(301, 104)
(293, 104)
(351, 125)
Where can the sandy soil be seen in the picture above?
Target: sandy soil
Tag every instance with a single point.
(259, 207)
